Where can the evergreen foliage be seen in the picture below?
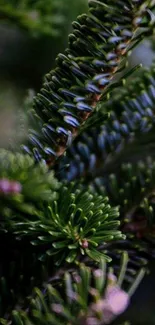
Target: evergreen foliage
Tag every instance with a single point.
(76, 225)
(90, 297)
(38, 18)
(20, 187)
(96, 50)
(130, 126)
(76, 251)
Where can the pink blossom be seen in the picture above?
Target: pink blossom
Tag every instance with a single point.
(116, 299)
(9, 186)
(114, 303)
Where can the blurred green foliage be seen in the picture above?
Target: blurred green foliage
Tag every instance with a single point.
(33, 31)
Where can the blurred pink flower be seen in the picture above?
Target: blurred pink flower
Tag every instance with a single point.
(9, 186)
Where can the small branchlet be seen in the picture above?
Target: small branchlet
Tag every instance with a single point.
(72, 226)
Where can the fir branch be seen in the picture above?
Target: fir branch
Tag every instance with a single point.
(72, 226)
(91, 297)
(130, 186)
(97, 46)
(122, 137)
(23, 185)
(140, 221)
(133, 190)
(140, 252)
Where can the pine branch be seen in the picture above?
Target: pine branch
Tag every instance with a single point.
(97, 46)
